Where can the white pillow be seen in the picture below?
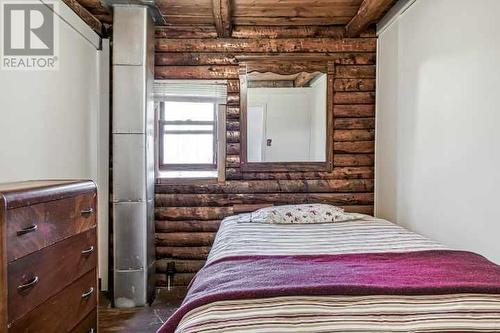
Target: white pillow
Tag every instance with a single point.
(303, 214)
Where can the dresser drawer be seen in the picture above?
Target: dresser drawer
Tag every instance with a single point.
(25, 230)
(40, 275)
(88, 325)
(32, 228)
(70, 216)
(62, 312)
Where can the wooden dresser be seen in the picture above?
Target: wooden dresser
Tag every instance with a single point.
(48, 271)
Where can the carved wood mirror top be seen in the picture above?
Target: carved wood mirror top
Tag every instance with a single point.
(286, 113)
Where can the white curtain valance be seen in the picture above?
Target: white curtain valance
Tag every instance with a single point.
(189, 88)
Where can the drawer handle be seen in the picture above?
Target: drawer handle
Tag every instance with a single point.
(29, 284)
(88, 293)
(88, 251)
(86, 212)
(27, 230)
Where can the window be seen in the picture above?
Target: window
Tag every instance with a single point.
(191, 125)
(188, 134)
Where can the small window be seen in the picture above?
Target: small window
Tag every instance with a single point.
(191, 138)
(188, 135)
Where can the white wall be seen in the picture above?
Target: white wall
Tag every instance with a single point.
(317, 149)
(295, 120)
(287, 122)
(54, 124)
(256, 115)
(438, 117)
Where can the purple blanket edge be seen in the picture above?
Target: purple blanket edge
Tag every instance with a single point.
(429, 272)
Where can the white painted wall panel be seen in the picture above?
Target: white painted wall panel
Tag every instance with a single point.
(55, 124)
(287, 122)
(295, 121)
(318, 120)
(46, 116)
(438, 108)
(386, 172)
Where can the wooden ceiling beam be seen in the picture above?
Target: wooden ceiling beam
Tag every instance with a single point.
(222, 17)
(85, 15)
(369, 12)
(303, 79)
(94, 6)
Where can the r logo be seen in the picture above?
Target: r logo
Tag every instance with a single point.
(28, 29)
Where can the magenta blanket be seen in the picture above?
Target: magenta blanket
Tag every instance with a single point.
(413, 273)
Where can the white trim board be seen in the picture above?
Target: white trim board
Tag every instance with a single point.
(397, 10)
(69, 17)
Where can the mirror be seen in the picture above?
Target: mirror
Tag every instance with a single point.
(286, 117)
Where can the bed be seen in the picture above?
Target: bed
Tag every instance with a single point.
(368, 275)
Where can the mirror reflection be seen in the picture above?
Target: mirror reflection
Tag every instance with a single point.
(286, 117)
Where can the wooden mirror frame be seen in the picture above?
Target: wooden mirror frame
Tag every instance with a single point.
(285, 65)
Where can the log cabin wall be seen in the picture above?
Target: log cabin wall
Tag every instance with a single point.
(188, 215)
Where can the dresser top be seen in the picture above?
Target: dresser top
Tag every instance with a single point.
(19, 194)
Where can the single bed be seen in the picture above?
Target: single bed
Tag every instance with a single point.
(368, 275)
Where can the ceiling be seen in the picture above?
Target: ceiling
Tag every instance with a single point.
(262, 12)
(221, 16)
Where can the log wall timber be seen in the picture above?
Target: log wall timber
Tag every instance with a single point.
(285, 45)
(188, 215)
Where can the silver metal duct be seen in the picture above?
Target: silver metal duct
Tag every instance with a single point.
(133, 155)
(154, 11)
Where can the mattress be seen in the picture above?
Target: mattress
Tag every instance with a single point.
(249, 282)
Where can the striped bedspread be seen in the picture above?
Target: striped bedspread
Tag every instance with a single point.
(237, 237)
(463, 312)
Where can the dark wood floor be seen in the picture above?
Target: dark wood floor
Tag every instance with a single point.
(139, 320)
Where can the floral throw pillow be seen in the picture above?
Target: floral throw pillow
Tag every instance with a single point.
(303, 214)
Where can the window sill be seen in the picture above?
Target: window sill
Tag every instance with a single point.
(187, 177)
(187, 174)
(186, 181)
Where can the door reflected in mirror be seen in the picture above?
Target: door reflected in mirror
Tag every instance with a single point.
(286, 117)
